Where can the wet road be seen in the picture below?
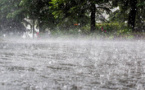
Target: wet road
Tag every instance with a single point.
(72, 65)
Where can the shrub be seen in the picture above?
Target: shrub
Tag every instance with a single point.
(110, 27)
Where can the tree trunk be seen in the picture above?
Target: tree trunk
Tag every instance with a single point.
(33, 23)
(132, 14)
(40, 27)
(93, 21)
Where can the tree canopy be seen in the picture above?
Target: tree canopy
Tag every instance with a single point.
(132, 11)
(66, 13)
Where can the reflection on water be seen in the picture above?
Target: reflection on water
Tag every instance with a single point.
(72, 65)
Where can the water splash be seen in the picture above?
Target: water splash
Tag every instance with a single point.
(72, 64)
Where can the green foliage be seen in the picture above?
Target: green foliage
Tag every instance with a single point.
(24, 2)
(110, 27)
(85, 29)
(67, 9)
(11, 9)
(141, 4)
(11, 16)
(63, 14)
(124, 31)
(39, 10)
(14, 14)
(130, 10)
(78, 10)
(118, 16)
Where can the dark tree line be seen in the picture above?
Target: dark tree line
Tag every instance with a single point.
(64, 13)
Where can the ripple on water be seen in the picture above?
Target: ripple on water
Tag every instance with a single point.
(73, 65)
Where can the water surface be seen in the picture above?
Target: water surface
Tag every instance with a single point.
(72, 65)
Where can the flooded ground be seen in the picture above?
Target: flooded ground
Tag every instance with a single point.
(72, 65)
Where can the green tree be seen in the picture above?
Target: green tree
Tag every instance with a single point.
(140, 18)
(132, 9)
(39, 10)
(77, 9)
(11, 15)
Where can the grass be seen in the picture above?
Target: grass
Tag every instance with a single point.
(120, 34)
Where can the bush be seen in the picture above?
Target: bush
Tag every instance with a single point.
(110, 27)
(85, 29)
